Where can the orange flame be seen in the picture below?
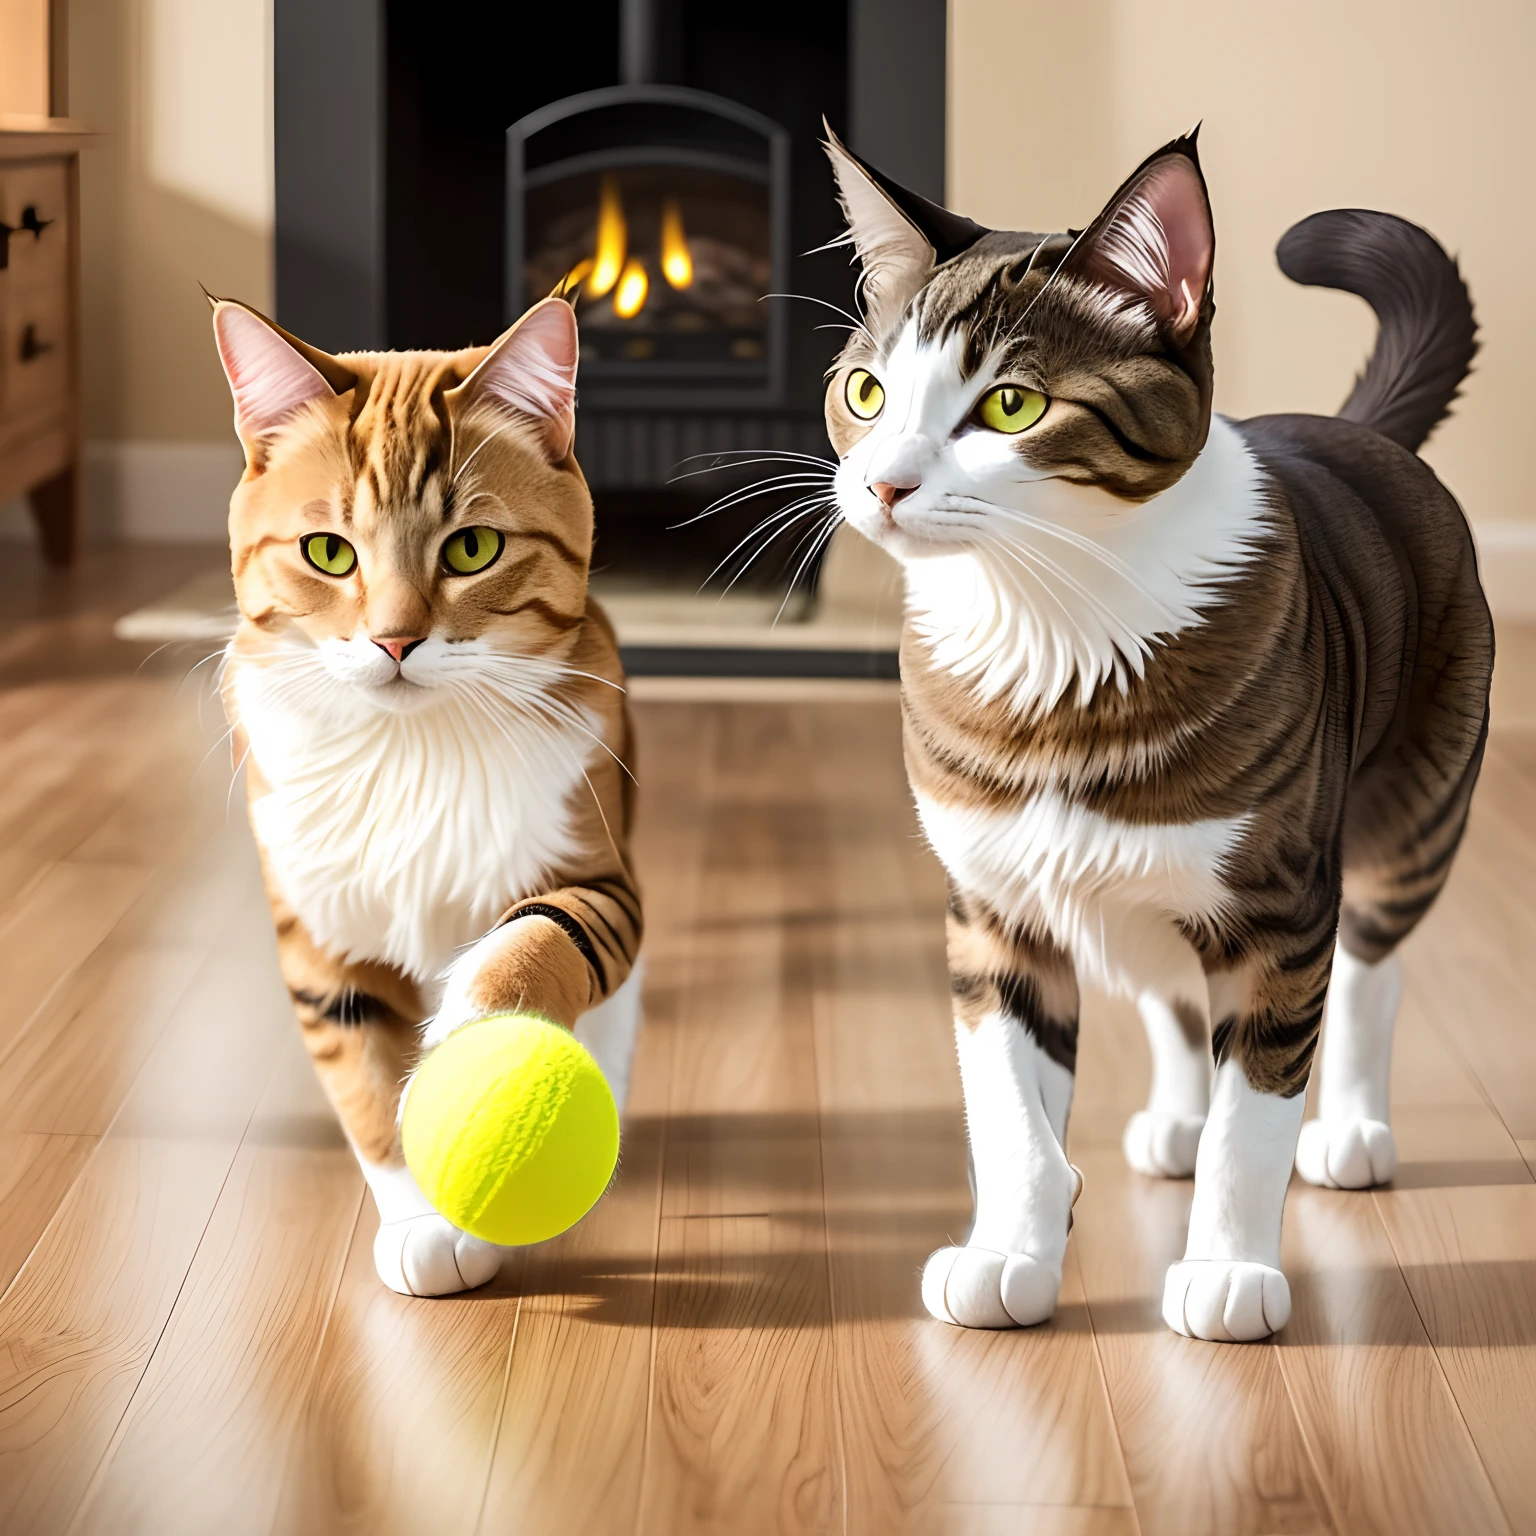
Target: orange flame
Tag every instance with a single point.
(612, 240)
(574, 278)
(629, 296)
(676, 258)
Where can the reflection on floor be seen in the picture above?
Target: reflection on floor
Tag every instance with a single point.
(192, 1338)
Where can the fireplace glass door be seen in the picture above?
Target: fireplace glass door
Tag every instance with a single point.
(662, 213)
(669, 266)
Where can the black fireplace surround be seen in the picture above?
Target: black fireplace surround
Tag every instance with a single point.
(440, 168)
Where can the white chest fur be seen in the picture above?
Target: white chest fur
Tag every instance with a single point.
(1107, 891)
(401, 837)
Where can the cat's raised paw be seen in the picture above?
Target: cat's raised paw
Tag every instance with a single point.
(1346, 1154)
(1228, 1301)
(1162, 1145)
(978, 1288)
(429, 1256)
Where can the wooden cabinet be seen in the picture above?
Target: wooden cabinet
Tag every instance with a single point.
(39, 325)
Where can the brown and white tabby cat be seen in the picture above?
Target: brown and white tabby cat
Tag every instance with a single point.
(1193, 708)
(432, 714)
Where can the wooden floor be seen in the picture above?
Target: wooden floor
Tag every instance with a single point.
(192, 1338)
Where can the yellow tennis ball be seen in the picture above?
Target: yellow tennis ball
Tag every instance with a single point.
(511, 1129)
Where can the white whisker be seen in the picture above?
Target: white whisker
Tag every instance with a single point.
(752, 492)
(823, 532)
(780, 522)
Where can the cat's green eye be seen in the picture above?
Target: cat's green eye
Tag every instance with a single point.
(865, 394)
(329, 552)
(1011, 409)
(471, 550)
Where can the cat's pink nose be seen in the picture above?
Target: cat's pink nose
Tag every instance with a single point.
(891, 494)
(399, 649)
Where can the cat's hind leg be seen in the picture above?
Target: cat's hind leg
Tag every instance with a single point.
(1403, 823)
(1350, 1145)
(1162, 1139)
(1016, 1033)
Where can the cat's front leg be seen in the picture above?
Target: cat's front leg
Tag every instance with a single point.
(528, 964)
(359, 1022)
(571, 956)
(1016, 1034)
(1229, 1286)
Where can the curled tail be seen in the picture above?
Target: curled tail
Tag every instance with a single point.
(1428, 333)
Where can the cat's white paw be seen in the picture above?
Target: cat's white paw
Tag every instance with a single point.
(977, 1288)
(1162, 1145)
(429, 1256)
(1346, 1154)
(1229, 1301)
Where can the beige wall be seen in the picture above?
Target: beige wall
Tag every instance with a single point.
(1416, 107)
(177, 194)
(24, 74)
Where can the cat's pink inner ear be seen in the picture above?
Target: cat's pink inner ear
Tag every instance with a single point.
(1158, 243)
(268, 379)
(532, 370)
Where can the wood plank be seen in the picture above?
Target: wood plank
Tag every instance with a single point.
(1210, 1438)
(743, 1426)
(71, 910)
(396, 1433)
(35, 1175)
(73, 770)
(1028, 1520)
(943, 1428)
(79, 1322)
(1469, 1256)
(1391, 1447)
(205, 1440)
(1447, 1131)
(75, 1061)
(1239, 1461)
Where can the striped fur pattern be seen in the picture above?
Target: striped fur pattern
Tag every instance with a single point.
(1187, 701)
(439, 763)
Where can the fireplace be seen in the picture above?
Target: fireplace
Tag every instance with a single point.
(663, 213)
(439, 168)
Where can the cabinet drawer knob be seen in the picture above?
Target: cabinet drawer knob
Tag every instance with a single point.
(30, 224)
(31, 346)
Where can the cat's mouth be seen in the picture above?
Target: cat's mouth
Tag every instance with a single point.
(398, 695)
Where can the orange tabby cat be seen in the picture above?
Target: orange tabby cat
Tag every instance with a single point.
(431, 710)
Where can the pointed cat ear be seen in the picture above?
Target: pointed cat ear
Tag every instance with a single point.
(271, 374)
(531, 370)
(900, 237)
(1155, 240)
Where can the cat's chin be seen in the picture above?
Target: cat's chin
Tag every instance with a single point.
(904, 543)
(398, 696)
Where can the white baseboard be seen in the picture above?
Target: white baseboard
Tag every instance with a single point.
(1506, 559)
(176, 493)
(148, 493)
